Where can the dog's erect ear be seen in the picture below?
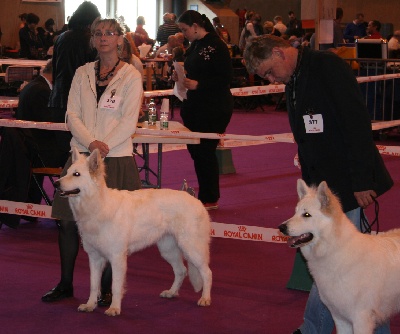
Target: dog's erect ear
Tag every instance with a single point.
(75, 154)
(302, 188)
(94, 161)
(324, 194)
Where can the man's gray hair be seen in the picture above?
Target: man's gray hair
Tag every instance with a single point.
(260, 48)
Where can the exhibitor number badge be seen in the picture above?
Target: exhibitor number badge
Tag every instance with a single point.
(314, 123)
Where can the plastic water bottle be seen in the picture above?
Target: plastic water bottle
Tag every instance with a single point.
(164, 120)
(152, 113)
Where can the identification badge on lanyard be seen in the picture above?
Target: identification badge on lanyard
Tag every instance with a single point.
(111, 102)
(314, 123)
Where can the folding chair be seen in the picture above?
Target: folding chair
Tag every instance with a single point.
(50, 172)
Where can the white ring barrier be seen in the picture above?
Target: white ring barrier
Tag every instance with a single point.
(271, 88)
(241, 232)
(378, 77)
(274, 138)
(242, 91)
(218, 230)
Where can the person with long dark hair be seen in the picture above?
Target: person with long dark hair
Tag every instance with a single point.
(209, 103)
(71, 50)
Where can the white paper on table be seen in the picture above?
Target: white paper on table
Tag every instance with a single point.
(144, 50)
(179, 88)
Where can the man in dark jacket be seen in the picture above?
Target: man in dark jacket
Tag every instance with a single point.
(32, 106)
(332, 129)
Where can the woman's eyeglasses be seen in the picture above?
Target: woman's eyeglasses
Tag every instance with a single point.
(99, 34)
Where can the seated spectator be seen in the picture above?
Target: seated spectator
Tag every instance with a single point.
(29, 39)
(168, 28)
(182, 40)
(356, 29)
(166, 49)
(32, 106)
(222, 32)
(47, 33)
(279, 25)
(269, 29)
(141, 36)
(394, 45)
(373, 30)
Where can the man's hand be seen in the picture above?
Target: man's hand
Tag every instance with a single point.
(365, 198)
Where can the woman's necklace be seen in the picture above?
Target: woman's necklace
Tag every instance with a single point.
(106, 76)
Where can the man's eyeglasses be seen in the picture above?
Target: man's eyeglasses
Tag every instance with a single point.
(99, 34)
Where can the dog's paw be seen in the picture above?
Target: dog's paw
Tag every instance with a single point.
(112, 312)
(204, 301)
(86, 308)
(168, 294)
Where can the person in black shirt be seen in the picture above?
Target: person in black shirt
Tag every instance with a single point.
(209, 103)
(30, 41)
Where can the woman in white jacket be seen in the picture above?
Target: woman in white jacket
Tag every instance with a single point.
(102, 112)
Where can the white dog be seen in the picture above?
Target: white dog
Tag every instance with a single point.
(113, 224)
(357, 275)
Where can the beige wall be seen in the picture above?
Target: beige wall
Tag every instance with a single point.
(9, 20)
(228, 18)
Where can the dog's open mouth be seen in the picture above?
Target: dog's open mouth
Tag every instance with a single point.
(69, 192)
(300, 240)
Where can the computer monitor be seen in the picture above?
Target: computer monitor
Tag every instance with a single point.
(372, 48)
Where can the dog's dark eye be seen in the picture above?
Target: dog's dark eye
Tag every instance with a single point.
(76, 174)
(306, 214)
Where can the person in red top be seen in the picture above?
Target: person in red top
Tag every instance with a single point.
(373, 29)
(141, 36)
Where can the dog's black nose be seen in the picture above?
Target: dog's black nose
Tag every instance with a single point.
(283, 228)
(57, 184)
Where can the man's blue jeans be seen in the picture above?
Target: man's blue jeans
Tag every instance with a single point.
(317, 318)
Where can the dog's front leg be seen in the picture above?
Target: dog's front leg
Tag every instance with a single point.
(96, 263)
(118, 266)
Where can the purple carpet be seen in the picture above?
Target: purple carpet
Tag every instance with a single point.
(249, 292)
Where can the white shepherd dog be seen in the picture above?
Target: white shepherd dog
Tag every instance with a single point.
(114, 223)
(357, 275)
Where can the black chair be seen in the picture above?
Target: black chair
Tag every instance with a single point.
(38, 174)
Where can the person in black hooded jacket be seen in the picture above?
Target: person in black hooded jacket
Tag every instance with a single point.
(71, 50)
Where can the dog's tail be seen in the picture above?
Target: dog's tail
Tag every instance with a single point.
(195, 277)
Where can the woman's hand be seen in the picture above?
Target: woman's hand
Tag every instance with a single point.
(190, 84)
(103, 147)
